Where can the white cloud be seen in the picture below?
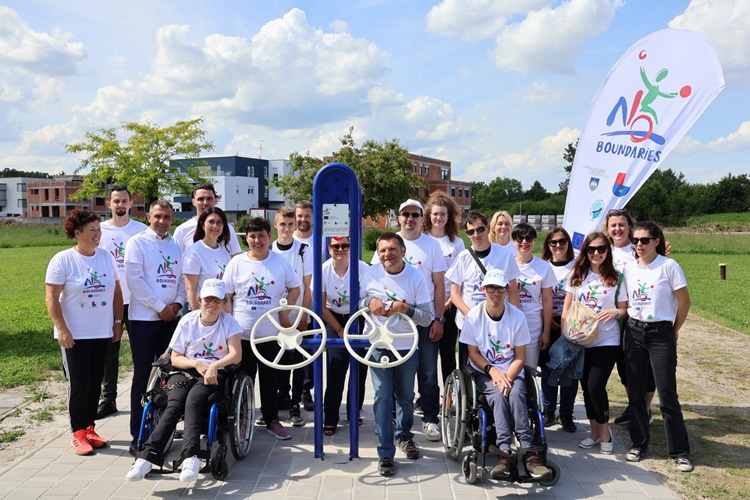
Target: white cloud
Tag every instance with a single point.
(9, 93)
(46, 92)
(543, 93)
(339, 26)
(688, 145)
(736, 141)
(476, 19)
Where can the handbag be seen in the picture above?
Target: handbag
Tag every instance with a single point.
(581, 324)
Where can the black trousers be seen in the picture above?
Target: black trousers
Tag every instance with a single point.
(112, 364)
(598, 363)
(337, 365)
(448, 343)
(84, 368)
(267, 377)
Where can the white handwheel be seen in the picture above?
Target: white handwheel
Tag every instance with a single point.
(288, 338)
(380, 337)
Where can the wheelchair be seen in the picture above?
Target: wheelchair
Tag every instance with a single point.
(468, 418)
(231, 416)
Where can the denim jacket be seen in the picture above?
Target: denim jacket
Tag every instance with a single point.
(566, 362)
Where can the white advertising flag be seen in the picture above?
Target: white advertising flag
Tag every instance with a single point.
(646, 104)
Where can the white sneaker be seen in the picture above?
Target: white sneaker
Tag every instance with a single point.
(139, 470)
(431, 431)
(191, 467)
(607, 447)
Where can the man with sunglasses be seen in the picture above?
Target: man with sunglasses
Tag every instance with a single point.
(468, 272)
(115, 233)
(424, 254)
(496, 335)
(203, 197)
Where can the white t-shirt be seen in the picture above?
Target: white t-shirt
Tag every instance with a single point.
(466, 273)
(206, 262)
(88, 291)
(301, 263)
(652, 289)
(113, 240)
(558, 291)
(336, 288)
(496, 340)
(408, 286)
(621, 257)
(450, 250)
(153, 269)
(535, 275)
(208, 343)
(185, 232)
(598, 296)
(423, 254)
(258, 287)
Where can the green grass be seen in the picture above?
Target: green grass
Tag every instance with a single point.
(18, 235)
(709, 244)
(731, 221)
(7, 437)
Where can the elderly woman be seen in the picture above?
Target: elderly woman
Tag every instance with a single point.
(205, 341)
(84, 301)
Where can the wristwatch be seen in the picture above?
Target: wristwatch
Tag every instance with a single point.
(440, 320)
(487, 368)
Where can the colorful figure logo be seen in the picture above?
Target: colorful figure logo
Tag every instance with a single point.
(409, 261)
(343, 299)
(119, 252)
(93, 280)
(258, 290)
(208, 351)
(640, 292)
(589, 298)
(220, 274)
(523, 291)
(165, 268)
(494, 355)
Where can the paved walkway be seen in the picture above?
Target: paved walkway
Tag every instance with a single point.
(288, 470)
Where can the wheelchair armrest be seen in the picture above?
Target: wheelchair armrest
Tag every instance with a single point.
(165, 363)
(232, 368)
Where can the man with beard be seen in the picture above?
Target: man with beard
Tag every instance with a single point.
(115, 233)
(204, 197)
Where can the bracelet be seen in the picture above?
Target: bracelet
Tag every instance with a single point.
(118, 321)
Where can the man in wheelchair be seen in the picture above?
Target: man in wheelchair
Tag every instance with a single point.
(205, 341)
(496, 334)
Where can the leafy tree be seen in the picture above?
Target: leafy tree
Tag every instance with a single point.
(141, 161)
(568, 155)
(499, 193)
(12, 172)
(731, 194)
(536, 192)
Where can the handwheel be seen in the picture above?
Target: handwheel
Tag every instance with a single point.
(380, 337)
(219, 468)
(554, 477)
(470, 469)
(453, 411)
(288, 338)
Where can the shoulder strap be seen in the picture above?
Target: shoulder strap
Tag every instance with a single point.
(302, 251)
(617, 292)
(479, 262)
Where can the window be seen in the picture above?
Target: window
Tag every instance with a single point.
(21, 187)
(275, 177)
(252, 171)
(265, 171)
(460, 192)
(21, 203)
(250, 190)
(427, 171)
(453, 192)
(443, 174)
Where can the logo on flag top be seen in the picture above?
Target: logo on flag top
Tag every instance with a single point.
(649, 100)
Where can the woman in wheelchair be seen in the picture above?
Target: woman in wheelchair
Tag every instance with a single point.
(499, 330)
(204, 342)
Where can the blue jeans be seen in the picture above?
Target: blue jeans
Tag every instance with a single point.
(397, 381)
(504, 409)
(429, 391)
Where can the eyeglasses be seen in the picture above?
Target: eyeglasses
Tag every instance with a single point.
(642, 241)
(343, 246)
(215, 300)
(600, 250)
(558, 243)
(480, 230)
(496, 289)
(413, 215)
(521, 239)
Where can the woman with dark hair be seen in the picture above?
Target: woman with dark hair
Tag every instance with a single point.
(209, 255)
(595, 282)
(84, 301)
(558, 251)
(535, 291)
(657, 310)
(441, 222)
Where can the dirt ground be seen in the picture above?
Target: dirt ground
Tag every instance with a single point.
(713, 383)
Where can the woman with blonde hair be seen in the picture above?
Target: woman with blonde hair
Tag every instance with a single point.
(501, 226)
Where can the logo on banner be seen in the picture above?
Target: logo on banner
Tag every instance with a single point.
(594, 183)
(619, 188)
(578, 240)
(596, 210)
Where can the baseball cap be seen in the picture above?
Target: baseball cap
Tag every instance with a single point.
(213, 288)
(411, 203)
(495, 277)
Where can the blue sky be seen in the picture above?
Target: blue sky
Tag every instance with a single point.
(497, 87)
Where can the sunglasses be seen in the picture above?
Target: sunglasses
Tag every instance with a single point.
(642, 241)
(600, 250)
(216, 300)
(480, 230)
(343, 246)
(558, 243)
(521, 239)
(496, 289)
(413, 215)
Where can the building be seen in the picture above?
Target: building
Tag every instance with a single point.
(438, 175)
(13, 197)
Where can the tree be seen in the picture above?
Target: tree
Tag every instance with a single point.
(12, 172)
(297, 185)
(569, 155)
(142, 160)
(536, 192)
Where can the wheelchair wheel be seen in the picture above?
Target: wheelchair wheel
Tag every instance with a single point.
(554, 478)
(243, 411)
(469, 468)
(219, 468)
(453, 421)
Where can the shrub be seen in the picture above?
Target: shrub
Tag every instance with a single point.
(370, 237)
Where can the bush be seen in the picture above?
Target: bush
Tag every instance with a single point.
(239, 224)
(370, 237)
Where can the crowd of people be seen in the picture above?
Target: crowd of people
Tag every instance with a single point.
(494, 307)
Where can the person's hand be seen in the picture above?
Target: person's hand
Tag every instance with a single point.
(544, 341)
(211, 375)
(377, 307)
(676, 336)
(168, 313)
(436, 331)
(284, 320)
(608, 314)
(397, 307)
(65, 339)
(116, 332)
(501, 381)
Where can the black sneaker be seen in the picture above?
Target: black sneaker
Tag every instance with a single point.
(133, 448)
(634, 455)
(418, 407)
(624, 418)
(549, 417)
(410, 448)
(295, 416)
(535, 468)
(106, 408)
(386, 467)
(307, 401)
(566, 421)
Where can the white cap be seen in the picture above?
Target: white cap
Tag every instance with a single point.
(213, 288)
(495, 277)
(411, 203)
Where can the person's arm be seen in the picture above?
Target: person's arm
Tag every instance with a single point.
(191, 286)
(117, 310)
(546, 318)
(330, 319)
(291, 298)
(436, 329)
(457, 300)
(683, 306)
(421, 313)
(513, 296)
(307, 298)
(54, 309)
(228, 303)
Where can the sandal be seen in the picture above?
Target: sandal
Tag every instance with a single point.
(329, 430)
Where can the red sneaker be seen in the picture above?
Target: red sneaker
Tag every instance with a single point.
(81, 443)
(95, 440)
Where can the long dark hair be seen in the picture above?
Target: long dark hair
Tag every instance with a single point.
(655, 231)
(547, 253)
(582, 267)
(439, 198)
(200, 232)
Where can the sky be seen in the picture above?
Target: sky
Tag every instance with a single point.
(496, 87)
